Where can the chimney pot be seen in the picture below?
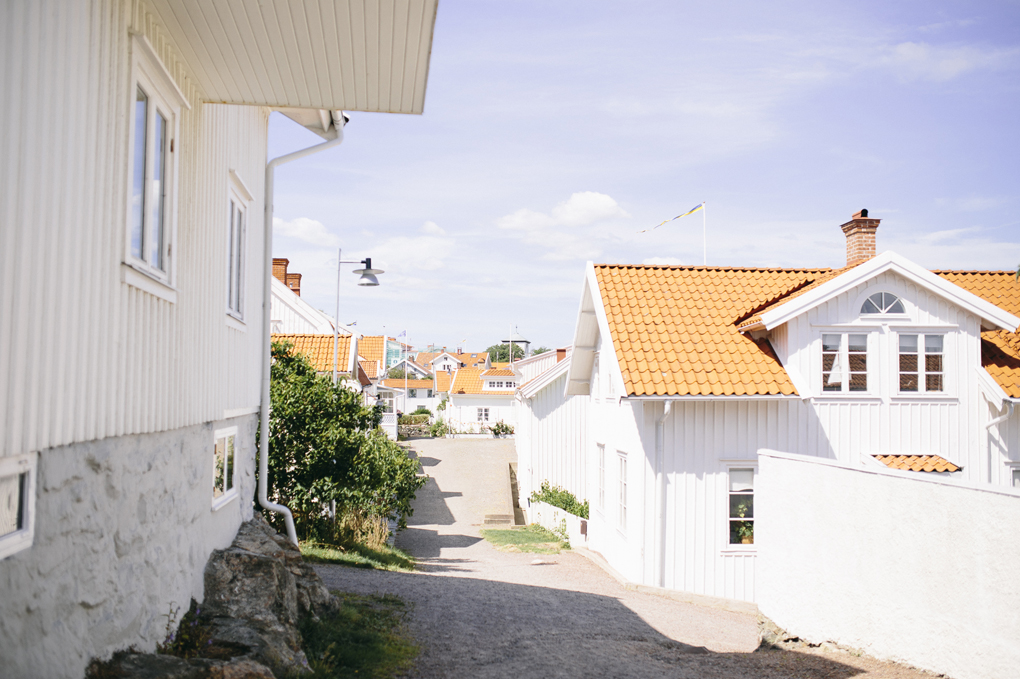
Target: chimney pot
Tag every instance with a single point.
(560, 354)
(860, 237)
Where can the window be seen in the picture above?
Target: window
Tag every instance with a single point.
(921, 368)
(224, 467)
(155, 106)
(1016, 477)
(412, 393)
(741, 496)
(844, 363)
(622, 514)
(236, 233)
(883, 303)
(483, 414)
(17, 503)
(428, 393)
(602, 476)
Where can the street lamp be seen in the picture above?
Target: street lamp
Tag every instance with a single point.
(368, 278)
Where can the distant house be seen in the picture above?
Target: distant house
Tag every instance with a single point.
(319, 349)
(135, 265)
(290, 313)
(688, 371)
(480, 397)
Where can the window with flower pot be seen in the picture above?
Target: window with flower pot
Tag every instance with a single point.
(741, 505)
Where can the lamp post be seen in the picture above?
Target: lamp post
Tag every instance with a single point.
(368, 278)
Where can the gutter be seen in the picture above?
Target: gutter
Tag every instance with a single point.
(1009, 402)
(338, 124)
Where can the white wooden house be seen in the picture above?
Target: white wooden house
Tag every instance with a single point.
(133, 266)
(479, 398)
(689, 371)
(290, 314)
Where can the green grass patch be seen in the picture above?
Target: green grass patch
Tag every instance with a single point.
(367, 638)
(384, 558)
(533, 538)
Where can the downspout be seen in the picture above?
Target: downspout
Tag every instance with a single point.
(1001, 418)
(659, 575)
(338, 125)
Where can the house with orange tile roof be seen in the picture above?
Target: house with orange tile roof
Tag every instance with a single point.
(324, 355)
(690, 371)
(481, 397)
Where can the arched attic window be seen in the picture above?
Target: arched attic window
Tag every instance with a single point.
(883, 303)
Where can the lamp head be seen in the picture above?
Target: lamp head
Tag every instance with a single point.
(368, 274)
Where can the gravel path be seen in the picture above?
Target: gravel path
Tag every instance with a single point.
(479, 612)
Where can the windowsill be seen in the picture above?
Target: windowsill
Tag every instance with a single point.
(143, 280)
(236, 323)
(225, 499)
(925, 398)
(859, 397)
(739, 549)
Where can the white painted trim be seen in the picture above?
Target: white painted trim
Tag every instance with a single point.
(240, 412)
(14, 466)
(236, 323)
(143, 281)
(890, 261)
(232, 494)
(140, 44)
(240, 186)
(537, 384)
(990, 388)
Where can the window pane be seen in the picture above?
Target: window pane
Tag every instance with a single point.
(741, 506)
(933, 364)
(908, 363)
(897, 308)
(858, 363)
(741, 480)
(908, 382)
(741, 532)
(12, 493)
(218, 467)
(869, 307)
(858, 382)
(831, 342)
(229, 464)
(933, 344)
(827, 361)
(858, 342)
(158, 189)
(138, 174)
(933, 382)
(1016, 478)
(908, 343)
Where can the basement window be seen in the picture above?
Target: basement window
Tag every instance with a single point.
(224, 467)
(17, 503)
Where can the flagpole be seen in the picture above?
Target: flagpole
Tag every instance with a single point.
(704, 231)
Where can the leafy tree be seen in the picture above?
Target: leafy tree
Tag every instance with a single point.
(540, 350)
(500, 353)
(399, 373)
(326, 447)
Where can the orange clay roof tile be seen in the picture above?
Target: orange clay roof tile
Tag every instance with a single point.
(319, 349)
(411, 384)
(469, 381)
(918, 463)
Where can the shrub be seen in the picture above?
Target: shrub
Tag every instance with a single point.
(442, 406)
(422, 410)
(439, 428)
(501, 428)
(558, 497)
(414, 419)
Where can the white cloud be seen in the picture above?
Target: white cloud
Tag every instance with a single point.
(407, 254)
(574, 229)
(587, 207)
(431, 227)
(307, 230)
(923, 61)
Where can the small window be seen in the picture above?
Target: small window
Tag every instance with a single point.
(883, 303)
(844, 363)
(17, 503)
(235, 255)
(741, 497)
(622, 513)
(483, 414)
(921, 366)
(602, 476)
(412, 393)
(224, 467)
(1016, 477)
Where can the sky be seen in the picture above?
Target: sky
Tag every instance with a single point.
(554, 132)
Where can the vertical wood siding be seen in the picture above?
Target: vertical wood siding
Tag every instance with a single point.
(83, 355)
(552, 441)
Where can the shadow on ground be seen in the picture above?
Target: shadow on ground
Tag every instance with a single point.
(427, 545)
(487, 629)
(430, 506)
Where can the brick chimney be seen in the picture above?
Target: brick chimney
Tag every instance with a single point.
(860, 238)
(561, 354)
(294, 283)
(280, 269)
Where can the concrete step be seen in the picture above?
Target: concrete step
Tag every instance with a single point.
(499, 519)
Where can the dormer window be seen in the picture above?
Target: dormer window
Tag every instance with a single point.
(883, 303)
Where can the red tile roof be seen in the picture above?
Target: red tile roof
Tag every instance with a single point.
(918, 463)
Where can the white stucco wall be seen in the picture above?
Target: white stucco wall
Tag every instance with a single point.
(904, 567)
(125, 528)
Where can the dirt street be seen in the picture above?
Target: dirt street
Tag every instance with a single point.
(481, 613)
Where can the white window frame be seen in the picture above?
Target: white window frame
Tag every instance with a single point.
(1012, 470)
(601, 449)
(844, 358)
(163, 95)
(725, 510)
(621, 487)
(922, 372)
(239, 198)
(482, 414)
(22, 539)
(228, 434)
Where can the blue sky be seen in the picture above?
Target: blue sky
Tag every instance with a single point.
(554, 131)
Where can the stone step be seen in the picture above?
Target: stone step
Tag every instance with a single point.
(499, 519)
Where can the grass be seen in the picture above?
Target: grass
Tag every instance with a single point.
(367, 638)
(384, 558)
(533, 539)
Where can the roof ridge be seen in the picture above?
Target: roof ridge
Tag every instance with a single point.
(703, 267)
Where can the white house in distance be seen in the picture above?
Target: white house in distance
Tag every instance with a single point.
(481, 397)
(134, 274)
(289, 313)
(880, 372)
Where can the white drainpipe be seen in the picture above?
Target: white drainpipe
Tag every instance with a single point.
(659, 576)
(1001, 418)
(266, 320)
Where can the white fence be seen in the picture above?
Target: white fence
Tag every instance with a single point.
(555, 518)
(917, 569)
(389, 425)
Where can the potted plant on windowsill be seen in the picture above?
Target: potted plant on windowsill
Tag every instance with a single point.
(745, 531)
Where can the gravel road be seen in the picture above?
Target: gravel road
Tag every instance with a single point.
(481, 613)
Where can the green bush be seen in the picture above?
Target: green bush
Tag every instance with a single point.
(326, 447)
(558, 497)
(501, 428)
(442, 406)
(414, 419)
(422, 410)
(439, 428)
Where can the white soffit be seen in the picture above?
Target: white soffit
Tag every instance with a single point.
(351, 55)
(890, 261)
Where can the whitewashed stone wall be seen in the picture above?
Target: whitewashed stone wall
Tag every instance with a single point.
(124, 527)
